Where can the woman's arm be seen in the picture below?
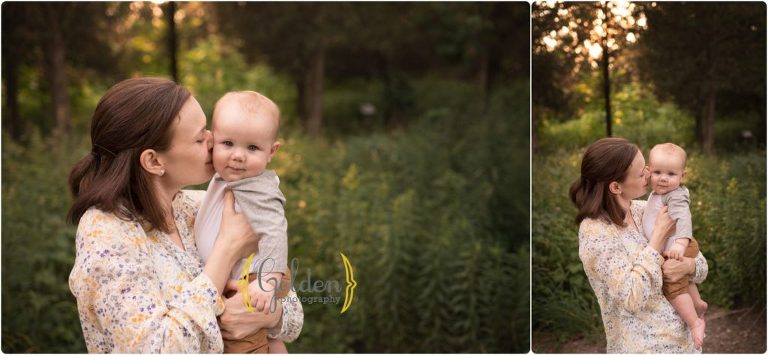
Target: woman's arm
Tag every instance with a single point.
(119, 296)
(696, 268)
(627, 280)
(292, 321)
(284, 324)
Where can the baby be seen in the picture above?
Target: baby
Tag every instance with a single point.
(245, 126)
(667, 169)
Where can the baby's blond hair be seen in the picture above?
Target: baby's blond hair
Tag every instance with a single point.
(670, 148)
(255, 103)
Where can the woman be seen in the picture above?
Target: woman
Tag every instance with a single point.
(139, 281)
(625, 269)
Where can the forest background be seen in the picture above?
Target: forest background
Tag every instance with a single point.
(405, 146)
(689, 73)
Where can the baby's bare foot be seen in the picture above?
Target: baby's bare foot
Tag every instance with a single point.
(698, 333)
(701, 308)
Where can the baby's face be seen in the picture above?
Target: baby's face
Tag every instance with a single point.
(667, 172)
(242, 144)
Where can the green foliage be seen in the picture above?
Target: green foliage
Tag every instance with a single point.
(637, 115)
(728, 208)
(213, 68)
(39, 312)
(414, 213)
(433, 218)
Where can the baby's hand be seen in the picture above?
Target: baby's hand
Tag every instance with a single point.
(262, 300)
(676, 251)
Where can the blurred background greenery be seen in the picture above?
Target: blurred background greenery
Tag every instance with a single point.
(405, 146)
(688, 73)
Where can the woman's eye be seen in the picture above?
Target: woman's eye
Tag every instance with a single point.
(253, 148)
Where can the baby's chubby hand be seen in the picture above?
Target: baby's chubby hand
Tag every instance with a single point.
(262, 299)
(676, 251)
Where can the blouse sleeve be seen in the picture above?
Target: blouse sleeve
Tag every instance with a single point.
(289, 327)
(630, 279)
(702, 268)
(114, 279)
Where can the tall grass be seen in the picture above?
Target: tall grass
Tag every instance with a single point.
(433, 217)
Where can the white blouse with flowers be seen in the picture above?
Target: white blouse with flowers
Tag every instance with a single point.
(625, 274)
(137, 291)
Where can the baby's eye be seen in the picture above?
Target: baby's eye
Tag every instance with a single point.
(253, 148)
(227, 143)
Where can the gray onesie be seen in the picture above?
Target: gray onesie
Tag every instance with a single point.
(262, 202)
(678, 202)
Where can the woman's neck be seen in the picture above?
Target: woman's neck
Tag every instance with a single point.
(626, 207)
(165, 198)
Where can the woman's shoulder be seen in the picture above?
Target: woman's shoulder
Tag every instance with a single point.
(593, 226)
(106, 227)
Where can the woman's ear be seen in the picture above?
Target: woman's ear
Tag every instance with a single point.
(152, 162)
(615, 188)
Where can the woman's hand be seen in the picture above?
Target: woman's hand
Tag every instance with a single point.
(662, 229)
(236, 241)
(235, 233)
(674, 270)
(237, 322)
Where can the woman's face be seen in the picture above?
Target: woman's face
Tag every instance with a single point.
(188, 160)
(636, 182)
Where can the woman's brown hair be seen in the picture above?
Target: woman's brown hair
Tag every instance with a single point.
(132, 116)
(605, 161)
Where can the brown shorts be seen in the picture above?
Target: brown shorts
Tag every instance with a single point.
(256, 343)
(674, 289)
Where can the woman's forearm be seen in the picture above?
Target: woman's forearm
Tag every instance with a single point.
(218, 267)
(658, 239)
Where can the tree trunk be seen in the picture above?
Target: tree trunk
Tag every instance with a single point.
(301, 97)
(56, 70)
(170, 18)
(607, 89)
(12, 122)
(483, 79)
(708, 123)
(314, 92)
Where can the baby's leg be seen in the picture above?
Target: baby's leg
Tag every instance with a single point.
(698, 303)
(276, 347)
(683, 304)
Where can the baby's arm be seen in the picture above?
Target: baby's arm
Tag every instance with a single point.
(678, 202)
(263, 203)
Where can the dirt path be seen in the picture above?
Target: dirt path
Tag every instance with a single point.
(737, 331)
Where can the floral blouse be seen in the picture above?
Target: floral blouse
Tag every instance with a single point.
(137, 291)
(625, 274)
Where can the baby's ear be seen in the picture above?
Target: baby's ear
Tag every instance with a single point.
(273, 150)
